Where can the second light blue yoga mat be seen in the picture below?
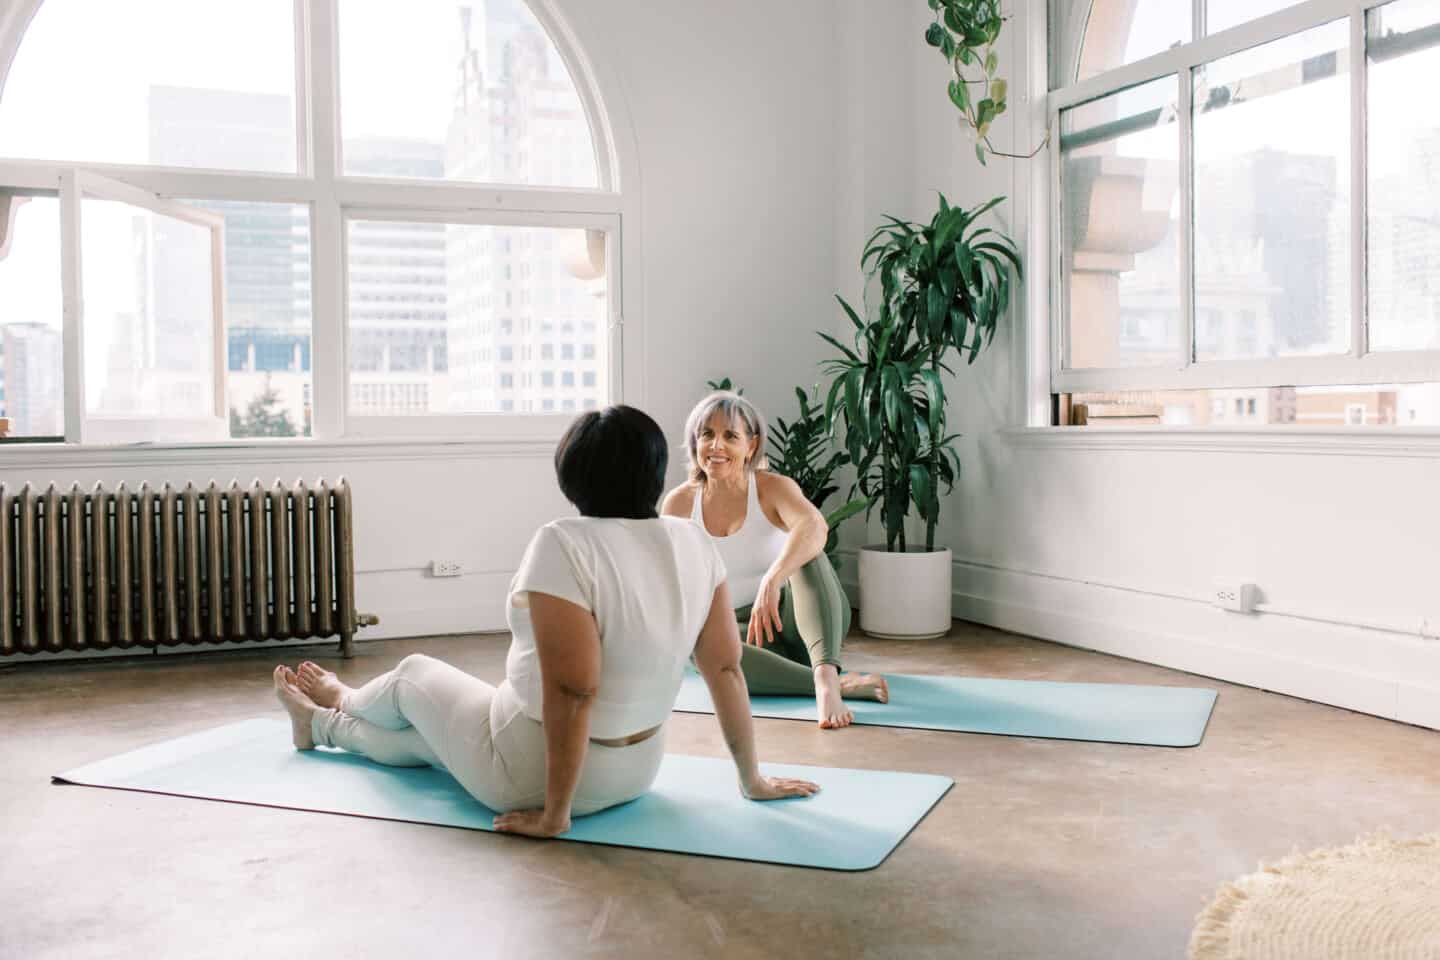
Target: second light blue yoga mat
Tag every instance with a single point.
(1106, 712)
(853, 823)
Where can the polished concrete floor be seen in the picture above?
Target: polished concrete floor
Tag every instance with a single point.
(1043, 848)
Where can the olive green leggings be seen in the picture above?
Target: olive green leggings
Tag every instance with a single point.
(815, 616)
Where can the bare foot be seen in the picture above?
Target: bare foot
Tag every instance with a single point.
(865, 686)
(321, 685)
(833, 712)
(300, 707)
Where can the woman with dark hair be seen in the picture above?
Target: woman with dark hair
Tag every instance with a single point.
(772, 541)
(605, 610)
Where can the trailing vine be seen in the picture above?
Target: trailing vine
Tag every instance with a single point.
(965, 32)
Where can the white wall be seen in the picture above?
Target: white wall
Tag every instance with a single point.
(1114, 543)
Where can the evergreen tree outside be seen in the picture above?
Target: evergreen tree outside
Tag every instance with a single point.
(263, 417)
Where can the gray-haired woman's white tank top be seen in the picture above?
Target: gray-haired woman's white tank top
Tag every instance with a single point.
(749, 551)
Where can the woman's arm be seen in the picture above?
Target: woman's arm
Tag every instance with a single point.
(717, 655)
(807, 535)
(568, 644)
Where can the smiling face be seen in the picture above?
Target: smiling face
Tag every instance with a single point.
(723, 447)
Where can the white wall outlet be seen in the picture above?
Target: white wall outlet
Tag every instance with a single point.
(1234, 595)
(446, 568)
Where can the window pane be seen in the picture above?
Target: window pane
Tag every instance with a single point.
(1373, 405)
(32, 366)
(149, 313)
(1272, 200)
(436, 88)
(1404, 173)
(1118, 32)
(1224, 14)
(1121, 206)
(267, 317)
(186, 83)
(455, 318)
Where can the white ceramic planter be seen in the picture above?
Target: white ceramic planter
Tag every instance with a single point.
(904, 596)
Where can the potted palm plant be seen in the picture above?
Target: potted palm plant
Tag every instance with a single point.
(944, 286)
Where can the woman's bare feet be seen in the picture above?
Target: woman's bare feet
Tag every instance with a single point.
(300, 707)
(865, 686)
(321, 685)
(833, 712)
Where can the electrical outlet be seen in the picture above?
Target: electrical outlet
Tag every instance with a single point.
(1234, 595)
(446, 568)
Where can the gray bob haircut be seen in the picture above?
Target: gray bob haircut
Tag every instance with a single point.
(734, 407)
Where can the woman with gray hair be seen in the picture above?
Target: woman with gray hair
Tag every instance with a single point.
(773, 543)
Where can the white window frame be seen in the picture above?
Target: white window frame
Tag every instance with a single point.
(1358, 366)
(71, 185)
(82, 426)
(330, 197)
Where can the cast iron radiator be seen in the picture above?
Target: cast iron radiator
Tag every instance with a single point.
(116, 569)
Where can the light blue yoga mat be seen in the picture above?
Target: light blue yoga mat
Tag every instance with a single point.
(1107, 712)
(853, 823)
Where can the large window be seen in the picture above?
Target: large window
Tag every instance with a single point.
(1248, 223)
(264, 222)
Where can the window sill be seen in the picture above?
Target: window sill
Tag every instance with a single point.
(1403, 442)
(21, 456)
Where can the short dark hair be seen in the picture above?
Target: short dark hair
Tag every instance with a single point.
(611, 463)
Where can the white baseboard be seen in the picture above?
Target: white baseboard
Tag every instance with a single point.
(1387, 675)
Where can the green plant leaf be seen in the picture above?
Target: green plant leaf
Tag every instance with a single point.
(949, 277)
(935, 396)
(1005, 251)
(839, 346)
(980, 153)
(972, 215)
(959, 95)
(958, 323)
(997, 92)
(921, 489)
(905, 227)
(850, 312)
(853, 381)
(947, 224)
(890, 389)
(831, 397)
(992, 63)
(934, 34)
(934, 308)
(965, 261)
(953, 21)
(837, 517)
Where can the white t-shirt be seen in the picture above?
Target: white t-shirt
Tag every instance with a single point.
(649, 584)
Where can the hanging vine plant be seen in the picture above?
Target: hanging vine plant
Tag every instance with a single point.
(965, 32)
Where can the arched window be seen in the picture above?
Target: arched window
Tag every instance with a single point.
(1248, 204)
(274, 219)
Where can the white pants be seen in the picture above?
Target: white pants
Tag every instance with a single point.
(427, 713)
